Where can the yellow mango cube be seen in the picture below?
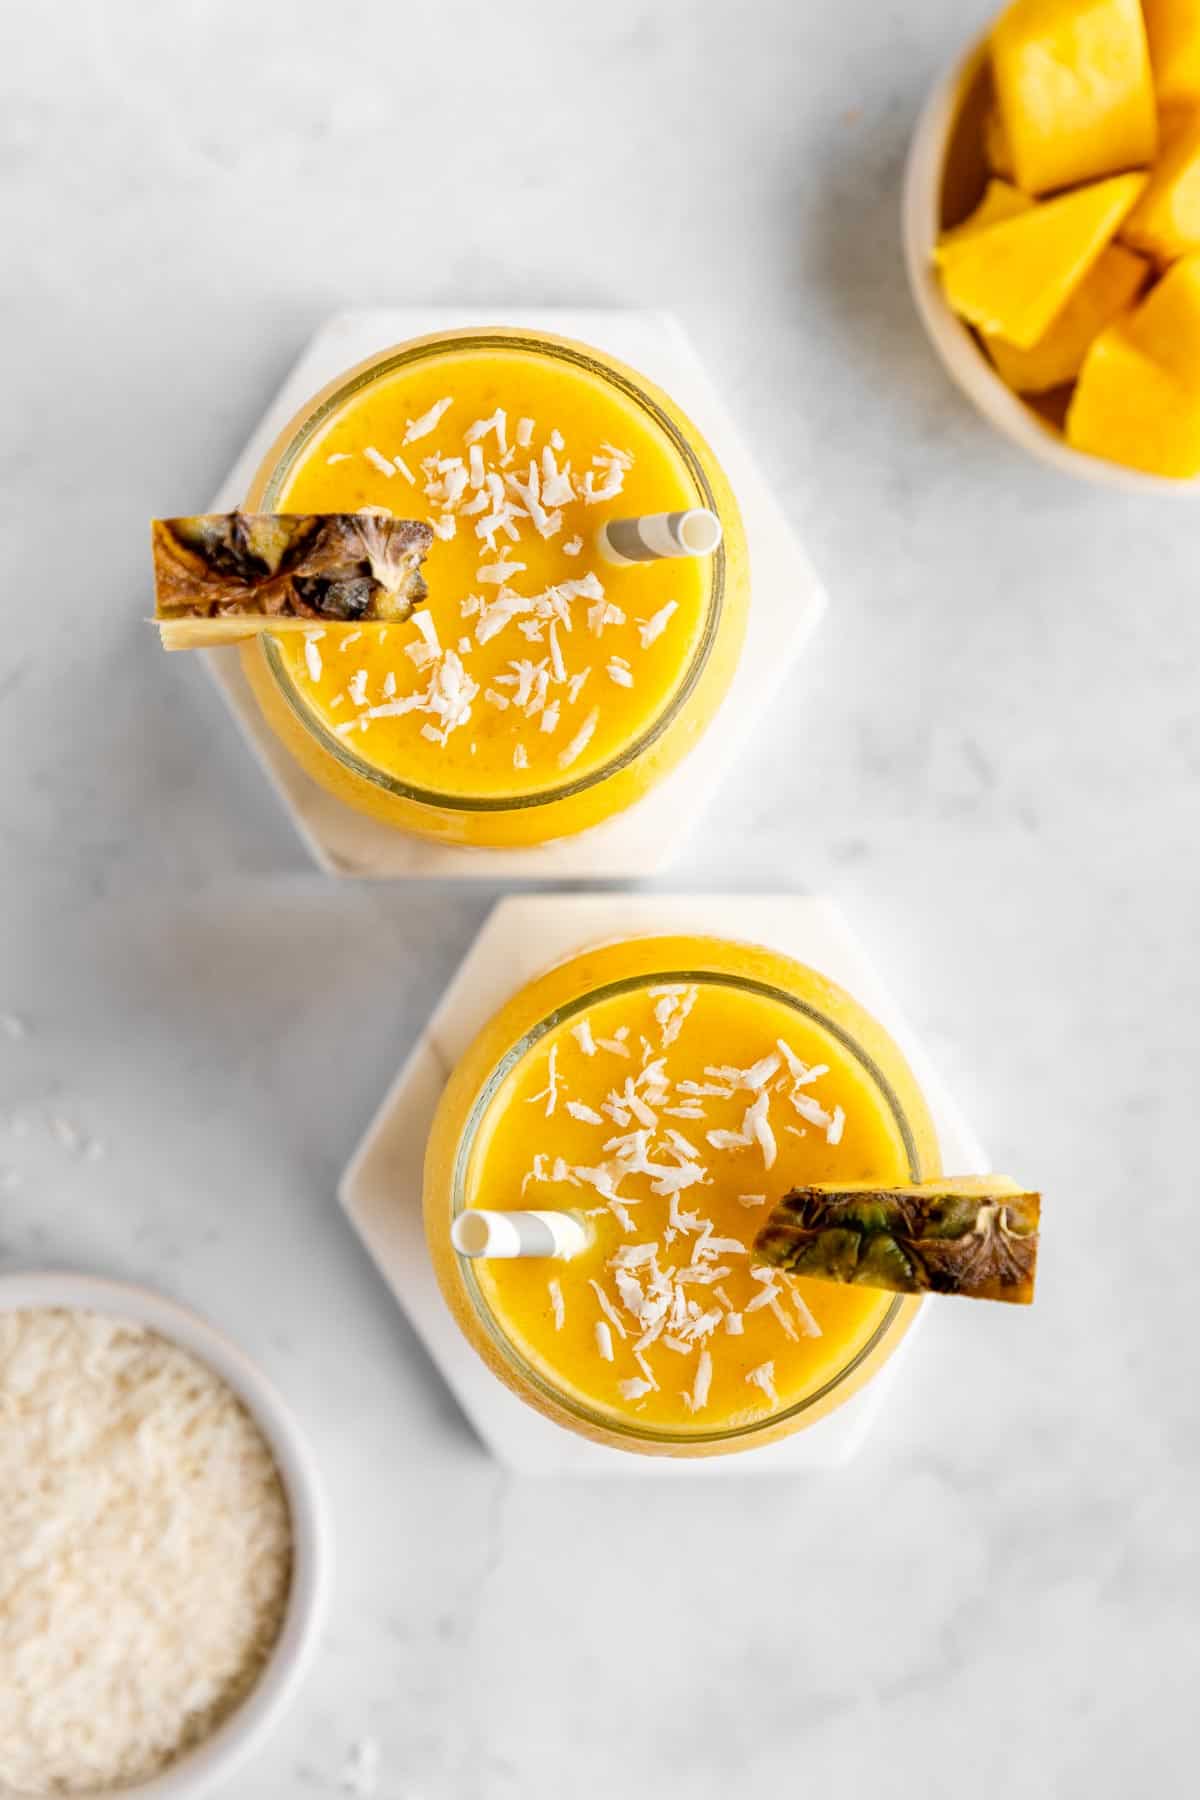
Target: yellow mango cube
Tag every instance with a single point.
(1106, 291)
(1075, 91)
(1173, 27)
(1013, 277)
(1128, 409)
(1165, 223)
(1166, 326)
(1000, 201)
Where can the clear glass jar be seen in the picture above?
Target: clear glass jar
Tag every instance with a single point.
(565, 993)
(564, 806)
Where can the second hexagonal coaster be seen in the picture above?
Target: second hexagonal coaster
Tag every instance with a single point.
(381, 1189)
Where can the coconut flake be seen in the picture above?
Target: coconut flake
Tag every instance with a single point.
(497, 573)
(701, 1383)
(557, 665)
(763, 1298)
(579, 743)
(764, 1378)
(556, 1302)
(808, 1323)
(607, 1308)
(755, 1078)
(623, 1216)
(651, 629)
(428, 421)
(497, 423)
(550, 1092)
(757, 1125)
(556, 487)
(776, 1306)
(379, 461)
(812, 1110)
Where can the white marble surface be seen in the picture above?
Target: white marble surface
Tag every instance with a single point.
(991, 760)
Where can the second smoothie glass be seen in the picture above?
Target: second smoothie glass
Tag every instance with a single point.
(566, 992)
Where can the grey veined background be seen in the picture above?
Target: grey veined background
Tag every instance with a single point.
(991, 758)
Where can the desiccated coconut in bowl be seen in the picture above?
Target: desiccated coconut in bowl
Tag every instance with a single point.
(160, 1548)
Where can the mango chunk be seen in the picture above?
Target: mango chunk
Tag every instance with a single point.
(997, 151)
(1166, 326)
(1128, 409)
(1106, 291)
(1165, 223)
(1137, 400)
(1000, 201)
(1075, 91)
(1173, 28)
(1013, 277)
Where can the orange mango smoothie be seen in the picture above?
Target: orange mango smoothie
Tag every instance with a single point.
(682, 1088)
(540, 688)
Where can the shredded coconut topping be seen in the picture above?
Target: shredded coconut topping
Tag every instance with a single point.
(508, 495)
(663, 1290)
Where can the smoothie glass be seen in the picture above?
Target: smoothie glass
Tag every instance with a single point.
(645, 726)
(470, 1162)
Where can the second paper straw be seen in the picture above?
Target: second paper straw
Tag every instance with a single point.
(479, 1232)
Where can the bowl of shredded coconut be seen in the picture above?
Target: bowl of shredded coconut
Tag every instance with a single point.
(163, 1554)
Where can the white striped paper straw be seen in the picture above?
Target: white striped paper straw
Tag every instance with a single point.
(477, 1232)
(693, 533)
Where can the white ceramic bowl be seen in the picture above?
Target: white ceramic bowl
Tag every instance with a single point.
(961, 355)
(210, 1761)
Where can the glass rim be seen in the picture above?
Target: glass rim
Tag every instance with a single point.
(593, 364)
(593, 1416)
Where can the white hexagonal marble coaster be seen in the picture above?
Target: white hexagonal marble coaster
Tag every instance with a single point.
(788, 602)
(381, 1189)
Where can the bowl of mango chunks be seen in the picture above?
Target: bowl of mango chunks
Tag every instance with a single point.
(1052, 234)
